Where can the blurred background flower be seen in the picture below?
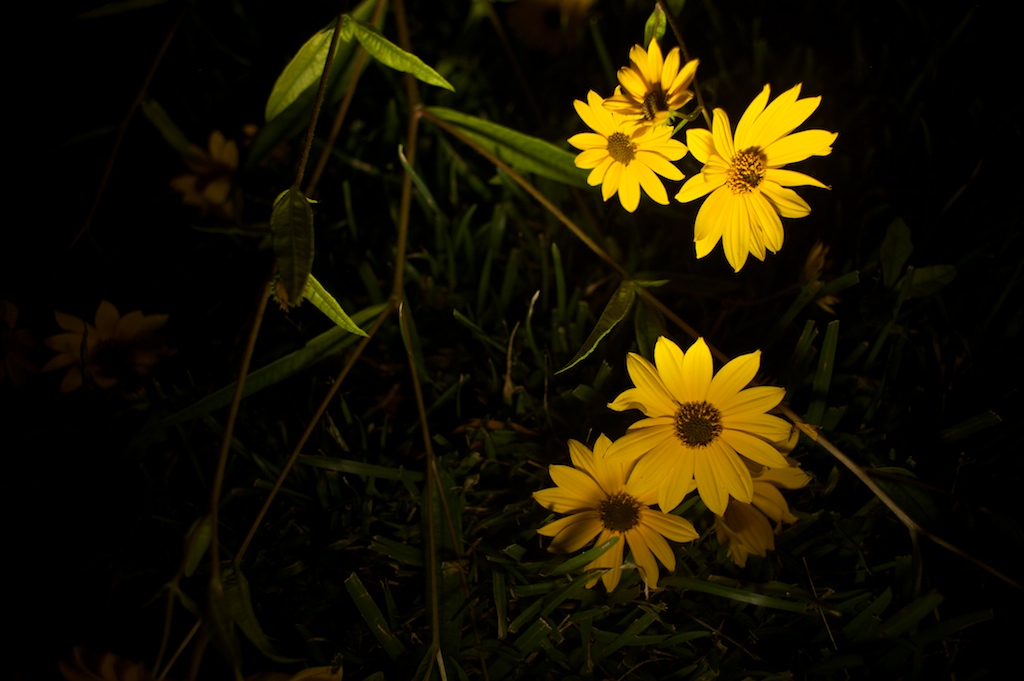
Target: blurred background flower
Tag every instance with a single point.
(208, 186)
(116, 351)
(15, 364)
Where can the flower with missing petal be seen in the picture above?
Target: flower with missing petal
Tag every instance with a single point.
(623, 156)
(745, 529)
(700, 425)
(745, 178)
(652, 87)
(604, 499)
(115, 351)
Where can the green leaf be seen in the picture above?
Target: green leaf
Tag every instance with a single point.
(523, 152)
(302, 72)
(171, 133)
(196, 543)
(316, 350)
(739, 595)
(325, 302)
(238, 607)
(899, 484)
(373, 617)
(291, 222)
(577, 562)
(909, 616)
(614, 312)
(985, 419)
(293, 118)
(896, 248)
(823, 376)
(655, 26)
(928, 280)
(391, 55)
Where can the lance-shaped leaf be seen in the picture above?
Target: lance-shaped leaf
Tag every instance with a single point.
(655, 26)
(288, 108)
(291, 222)
(325, 302)
(389, 54)
(236, 607)
(614, 312)
(523, 152)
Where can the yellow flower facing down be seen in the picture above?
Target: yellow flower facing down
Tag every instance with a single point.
(115, 351)
(208, 186)
(624, 157)
(652, 87)
(604, 500)
(745, 178)
(698, 424)
(745, 528)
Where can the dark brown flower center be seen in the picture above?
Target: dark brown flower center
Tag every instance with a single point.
(654, 103)
(621, 148)
(698, 424)
(619, 512)
(746, 170)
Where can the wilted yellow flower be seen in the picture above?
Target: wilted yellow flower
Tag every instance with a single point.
(208, 186)
(15, 364)
(813, 268)
(625, 157)
(745, 528)
(604, 500)
(652, 88)
(698, 424)
(748, 187)
(115, 351)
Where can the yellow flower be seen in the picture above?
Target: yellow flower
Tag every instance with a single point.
(14, 346)
(115, 351)
(652, 87)
(604, 500)
(208, 186)
(744, 528)
(745, 178)
(625, 157)
(698, 425)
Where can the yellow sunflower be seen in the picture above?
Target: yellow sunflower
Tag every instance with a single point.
(652, 88)
(745, 529)
(625, 157)
(208, 186)
(115, 351)
(745, 178)
(698, 424)
(604, 500)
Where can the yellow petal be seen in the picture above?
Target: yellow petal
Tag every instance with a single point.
(799, 146)
(697, 372)
(669, 360)
(577, 483)
(644, 559)
(722, 134)
(756, 400)
(645, 376)
(786, 201)
(733, 377)
(754, 448)
(751, 114)
(637, 442)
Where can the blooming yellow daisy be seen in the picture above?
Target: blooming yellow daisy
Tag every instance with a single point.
(652, 87)
(625, 157)
(744, 528)
(116, 350)
(745, 178)
(604, 500)
(698, 424)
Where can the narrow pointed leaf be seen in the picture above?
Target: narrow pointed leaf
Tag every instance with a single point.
(523, 152)
(238, 607)
(373, 617)
(655, 26)
(393, 56)
(325, 302)
(167, 128)
(196, 543)
(291, 111)
(302, 72)
(896, 248)
(291, 222)
(614, 312)
(577, 562)
(928, 280)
